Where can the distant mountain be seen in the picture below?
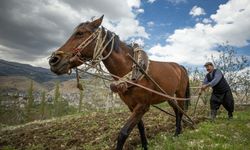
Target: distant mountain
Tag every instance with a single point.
(38, 74)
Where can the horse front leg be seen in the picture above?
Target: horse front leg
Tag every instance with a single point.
(141, 128)
(133, 120)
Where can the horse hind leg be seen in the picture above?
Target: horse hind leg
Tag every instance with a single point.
(178, 118)
(183, 92)
(178, 114)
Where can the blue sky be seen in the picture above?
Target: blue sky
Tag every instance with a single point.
(168, 16)
(183, 31)
(162, 18)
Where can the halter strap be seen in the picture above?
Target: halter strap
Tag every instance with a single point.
(99, 46)
(86, 42)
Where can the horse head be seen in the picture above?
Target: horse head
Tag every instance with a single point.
(77, 49)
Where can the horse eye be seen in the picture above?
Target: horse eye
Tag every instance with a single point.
(79, 33)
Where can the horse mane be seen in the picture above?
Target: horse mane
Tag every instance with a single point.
(116, 40)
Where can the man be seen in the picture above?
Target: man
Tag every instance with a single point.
(221, 91)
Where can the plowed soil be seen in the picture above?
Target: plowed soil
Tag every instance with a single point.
(95, 130)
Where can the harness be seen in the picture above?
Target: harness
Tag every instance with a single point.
(141, 58)
(139, 55)
(138, 71)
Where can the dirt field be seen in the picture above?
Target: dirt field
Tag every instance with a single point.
(96, 130)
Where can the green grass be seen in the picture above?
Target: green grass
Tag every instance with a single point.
(221, 134)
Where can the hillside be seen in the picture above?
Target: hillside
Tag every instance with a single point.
(38, 74)
(99, 130)
(14, 96)
(19, 83)
(15, 79)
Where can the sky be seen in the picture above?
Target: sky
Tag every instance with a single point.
(184, 31)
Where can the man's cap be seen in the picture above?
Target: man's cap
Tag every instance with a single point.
(208, 63)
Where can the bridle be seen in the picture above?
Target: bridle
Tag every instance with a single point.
(97, 57)
(100, 47)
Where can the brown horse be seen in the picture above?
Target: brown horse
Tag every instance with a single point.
(172, 77)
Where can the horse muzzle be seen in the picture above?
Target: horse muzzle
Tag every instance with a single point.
(58, 65)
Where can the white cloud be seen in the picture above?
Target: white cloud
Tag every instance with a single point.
(232, 23)
(127, 28)
(151, 1)
(139, 41)
(197, 19)
(140, 11)
(190, 45)
(197, 11)
(150, 24)
(134, 3)
(135, 6)
(121, 18)
(207, 20)
(175, 2)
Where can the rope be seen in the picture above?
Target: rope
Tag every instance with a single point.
(130, 82)
(86, 42)
(99, 48)
(163, 91)
(145, 88)
(170, 114)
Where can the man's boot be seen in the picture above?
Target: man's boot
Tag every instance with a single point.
(213, 114)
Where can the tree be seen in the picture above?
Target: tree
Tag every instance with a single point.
(80, 101)
(42, 105)
(80, 98)
(57, 100)
(244, 79)
(30, 102)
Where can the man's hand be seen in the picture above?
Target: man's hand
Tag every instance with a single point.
(205, 86)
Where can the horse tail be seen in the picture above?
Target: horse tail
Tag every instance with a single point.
(187, 93)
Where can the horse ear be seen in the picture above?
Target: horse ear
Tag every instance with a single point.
(96, 23)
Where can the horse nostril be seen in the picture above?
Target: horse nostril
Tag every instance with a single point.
(54, 60)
